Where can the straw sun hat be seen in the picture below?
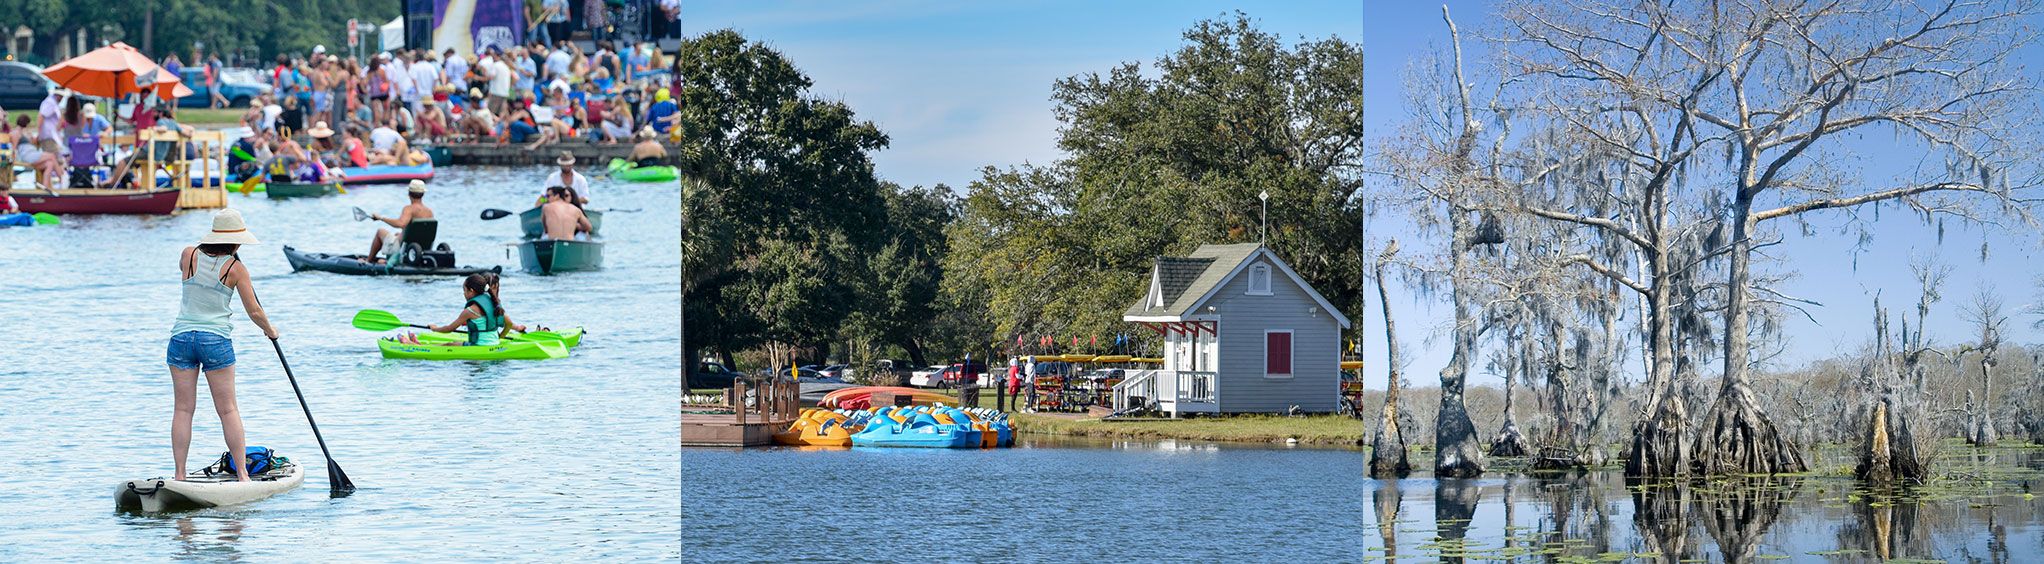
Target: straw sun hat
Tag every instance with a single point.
(228, 229)
(320, 131)
(567, 159)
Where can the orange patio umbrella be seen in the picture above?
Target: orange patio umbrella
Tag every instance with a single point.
(114, 71)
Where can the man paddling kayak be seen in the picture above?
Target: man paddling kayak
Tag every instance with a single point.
(482, 315)
(386, 241)
(568, 178)
(649, 151)
(201, 338)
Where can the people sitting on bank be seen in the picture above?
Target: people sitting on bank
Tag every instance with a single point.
(385, 245)
(482, 315)
(649, 151)
(562, 217)
(577, 184)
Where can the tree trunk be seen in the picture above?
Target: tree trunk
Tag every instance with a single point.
(1454, 506)
(1984, 433)
(915, 352)
(1387, 448)
(1509, 441)
(1739, 438)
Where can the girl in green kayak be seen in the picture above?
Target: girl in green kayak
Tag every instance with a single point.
(482, 317)
(212, 276)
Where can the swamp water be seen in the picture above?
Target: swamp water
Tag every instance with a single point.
(1981, 510)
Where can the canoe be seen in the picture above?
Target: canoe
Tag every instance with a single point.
(548, 256)
(507, 350)
(93, 201)
(387, 174)
(571, 337)
(162, 494)
(624, 170)
(441, 156)
(353, 264)
(533, 227)
(281, 190)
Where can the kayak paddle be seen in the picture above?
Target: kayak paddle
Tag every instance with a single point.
(46, 219)
(379, 320)
(361, 215)
(336, 480)
(494, 213)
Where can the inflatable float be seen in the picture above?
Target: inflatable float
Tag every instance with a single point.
(623, 170)
(386, 174)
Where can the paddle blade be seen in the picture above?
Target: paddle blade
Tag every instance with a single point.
(377, 320)
(361, 215)
(343, 189)
(337, 481)
(494, 213)
(47, 219)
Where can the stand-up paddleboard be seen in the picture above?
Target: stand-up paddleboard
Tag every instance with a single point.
(157, 495)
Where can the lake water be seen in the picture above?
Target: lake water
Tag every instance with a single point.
(521, 460)
(1047, 499)
(1982, 517)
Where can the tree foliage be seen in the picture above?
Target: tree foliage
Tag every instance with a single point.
(1161, 160)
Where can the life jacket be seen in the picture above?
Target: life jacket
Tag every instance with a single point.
(490, 323)
(260, 460)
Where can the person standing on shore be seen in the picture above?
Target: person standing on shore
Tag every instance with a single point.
(201, 339)
(213, 69)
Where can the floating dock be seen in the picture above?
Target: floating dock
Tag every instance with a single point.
(749, 415)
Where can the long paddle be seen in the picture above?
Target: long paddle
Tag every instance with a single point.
(336, 480)
(379, 320)
(494, 213)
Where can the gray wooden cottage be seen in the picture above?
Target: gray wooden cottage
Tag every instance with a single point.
(1242, 332)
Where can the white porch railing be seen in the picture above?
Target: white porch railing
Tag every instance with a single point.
(1171, 391)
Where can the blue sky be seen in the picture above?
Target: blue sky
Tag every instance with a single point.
(963, 85)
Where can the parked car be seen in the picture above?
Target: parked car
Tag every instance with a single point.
(802, 373)
(959, 373)
(896, 367)
(713, 375)
(927, 377)
(23, 86)
(238, 94)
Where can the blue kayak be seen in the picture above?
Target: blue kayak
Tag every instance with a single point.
(386, 174)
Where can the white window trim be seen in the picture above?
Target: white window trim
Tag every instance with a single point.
(1263, 269)
(1292, 342)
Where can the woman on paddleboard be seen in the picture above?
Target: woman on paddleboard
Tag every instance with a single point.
(482, 316)
(200, 340)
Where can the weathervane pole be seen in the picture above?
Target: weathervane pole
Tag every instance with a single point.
(1263, 232)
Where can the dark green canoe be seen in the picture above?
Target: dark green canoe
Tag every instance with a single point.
(530, 222)
(547, 256)
(281, 190)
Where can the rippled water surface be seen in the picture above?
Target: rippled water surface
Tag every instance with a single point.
(1049, 500)
(516, 460)
(1977, 512)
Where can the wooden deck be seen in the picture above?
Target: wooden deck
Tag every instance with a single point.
(587, 155)
(740, 423)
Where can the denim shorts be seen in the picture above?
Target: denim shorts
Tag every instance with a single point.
(199, 350)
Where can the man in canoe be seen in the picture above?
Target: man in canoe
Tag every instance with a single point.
(212, 275)
(387, 240)
(649, 151)
(562, 217)
(577, 185)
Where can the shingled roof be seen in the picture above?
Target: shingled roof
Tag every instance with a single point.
(1184, 280)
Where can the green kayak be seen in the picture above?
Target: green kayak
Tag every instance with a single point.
(508, 350)
(280, 190)
(236, 187)
(623, 170)
(571, 337)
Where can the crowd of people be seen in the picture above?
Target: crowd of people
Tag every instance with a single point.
(530, 94)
